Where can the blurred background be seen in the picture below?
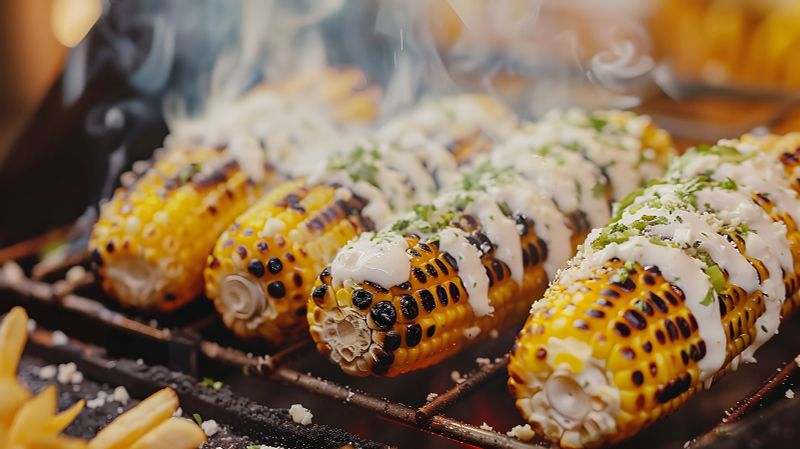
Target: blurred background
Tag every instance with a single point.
(89, 86)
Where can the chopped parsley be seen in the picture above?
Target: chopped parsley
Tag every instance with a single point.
(709, 298)
(597, 123)
(197, 418)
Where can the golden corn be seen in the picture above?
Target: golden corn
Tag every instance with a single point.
(152, 236)
(476, 257)
(689, 279)
(261, 270)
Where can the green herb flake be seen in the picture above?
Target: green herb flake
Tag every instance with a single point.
(716, 277)
(197, 418)
(709, 299)
(597, 123)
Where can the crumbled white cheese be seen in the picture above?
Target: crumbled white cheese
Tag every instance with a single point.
(485, 426)
(48, 372)
(96, 402)
(483, 361)
(522, 433)
(210, 427)
(789, 394)
(300, 414)
(494, 333)
(60, 338)
(472, 332)
(456, 376)
(178, 413)
(31, 325)
(68, 374)
(432, 396)
(121, 395)
(350, 394)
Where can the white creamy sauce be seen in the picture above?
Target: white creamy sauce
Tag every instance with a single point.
(470, 269)
(501, 230)
(380, 258)
(679, 269)
(549, 223)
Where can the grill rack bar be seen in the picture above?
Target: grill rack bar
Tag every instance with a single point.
(428, 417)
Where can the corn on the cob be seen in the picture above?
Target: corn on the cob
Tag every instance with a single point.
(476, 257)
(688, 279)
(261, 270)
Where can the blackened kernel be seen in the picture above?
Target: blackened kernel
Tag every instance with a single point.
(431, 270)
(247, 232)
(653, 369)
(442, 267)
(391, 341)
(274, 265)
(637, 377)
(701, 347)
(290, 257)
(671, 298)
(580, 324)
(409, 307)
(441, 293)
(361, 298)
(682, 296)
(426, 298)
(649, 280)
(693, 321)
(431, 331)
(694, 353)
(241, 251)
(413, 253)
(419, 275)
(497, 267)
(684, 357)
(262, 247)
(543, 250)
(622, 329)
(635, 319)
(594, 313)
(276, 289)
(297, 279)
(526, 259)
(627, 285)
(424, 247)
(110, 247)
(170, 297)
(455, 294)
(489, 276)
(325, 274)
(404, 286)
(609, 293)
(96, 259)
(644, 306)
(658, 302)
(451, 260)
(647, 347)
(660, 336)
(541, 353)
(383, 361)
(256, 268)
(533, 254)
(672, 330)
(603, 302)
(378, 287)
(383, 314)
(214, 264)
(318, 293)
(683, 326)
(413, 335)
(628, 353)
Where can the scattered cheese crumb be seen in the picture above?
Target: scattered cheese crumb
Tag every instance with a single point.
(522, 433)
(60, 338)
(178, 413)
(494, 334)
(68, 374)
(95, 403)
(790, 394)
(300, 414)
(121, 395)
(210, 427)
(47, 372)
(432, 396)
(483, 361)
(350, 394)
(485, 426)
(456, 376)
(31, 325)
(472, 332)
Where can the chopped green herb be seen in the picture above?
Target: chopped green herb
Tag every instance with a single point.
(504, 208)
(716, 277)
(729, 184)
(709, 299)
(211, 383)
(743, 229)
(197, 418)
(597, 123)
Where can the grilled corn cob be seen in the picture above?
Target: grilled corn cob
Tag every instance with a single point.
(261, 270)
(689, 278)
(475, 258)
(153, 232)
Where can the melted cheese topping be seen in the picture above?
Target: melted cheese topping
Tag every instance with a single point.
(379, 258)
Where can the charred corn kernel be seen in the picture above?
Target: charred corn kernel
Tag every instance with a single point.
(690, 277)
(152, 237)
(469, 262)
(262, 269)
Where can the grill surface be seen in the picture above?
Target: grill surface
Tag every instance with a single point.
(194, 341)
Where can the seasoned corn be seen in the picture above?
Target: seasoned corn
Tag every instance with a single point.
(261, 270)
(476, 257)
(691, 276)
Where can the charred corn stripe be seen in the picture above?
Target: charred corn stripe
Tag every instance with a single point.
(373, 330)
(260, 270)
(152, 236)
(603, 354)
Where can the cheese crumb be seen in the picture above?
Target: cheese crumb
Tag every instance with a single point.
(121, 395)
(522, 433)
(472, 332)
(485, 426)
(789, 394)
(300, 414)
(48, 372)
(60, 338)
(432, 396)
(456, 376)
(178, 413)
(31, 325)
(210, 427)
(483, 361)
(68, 374)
